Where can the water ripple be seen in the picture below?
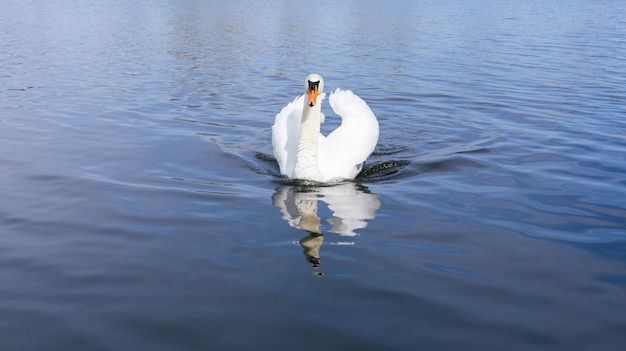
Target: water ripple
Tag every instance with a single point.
(142, 208)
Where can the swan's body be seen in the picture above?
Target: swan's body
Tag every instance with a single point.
(304, 153)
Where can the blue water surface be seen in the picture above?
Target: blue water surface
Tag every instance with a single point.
(142, 209)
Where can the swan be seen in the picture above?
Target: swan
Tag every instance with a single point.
(303, 153)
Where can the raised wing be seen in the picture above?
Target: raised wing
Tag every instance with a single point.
(348, 146)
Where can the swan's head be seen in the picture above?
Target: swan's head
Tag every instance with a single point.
(314, 85)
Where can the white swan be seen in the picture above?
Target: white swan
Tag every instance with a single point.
(304, 153)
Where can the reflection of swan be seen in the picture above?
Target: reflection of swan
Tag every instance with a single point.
(304, 153)
(350, 205)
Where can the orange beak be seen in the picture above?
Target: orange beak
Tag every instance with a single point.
(312, 96)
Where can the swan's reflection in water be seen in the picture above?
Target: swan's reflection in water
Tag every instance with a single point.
(350, 206)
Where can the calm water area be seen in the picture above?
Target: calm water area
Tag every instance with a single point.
(141, 207)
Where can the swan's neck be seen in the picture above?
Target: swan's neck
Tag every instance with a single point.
(306, 157)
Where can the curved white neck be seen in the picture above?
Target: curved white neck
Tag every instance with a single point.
(306, 157)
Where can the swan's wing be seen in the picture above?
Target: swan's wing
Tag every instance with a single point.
(285, 134)
(348, 146)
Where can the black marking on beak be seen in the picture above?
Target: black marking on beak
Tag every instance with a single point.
(314, 85)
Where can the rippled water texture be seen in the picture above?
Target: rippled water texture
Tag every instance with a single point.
(141, 207)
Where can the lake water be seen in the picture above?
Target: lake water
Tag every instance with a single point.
(141, 207)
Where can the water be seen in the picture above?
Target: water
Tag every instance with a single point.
(142, 209)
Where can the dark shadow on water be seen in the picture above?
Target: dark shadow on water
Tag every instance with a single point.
(382, 171)
(350, 205)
